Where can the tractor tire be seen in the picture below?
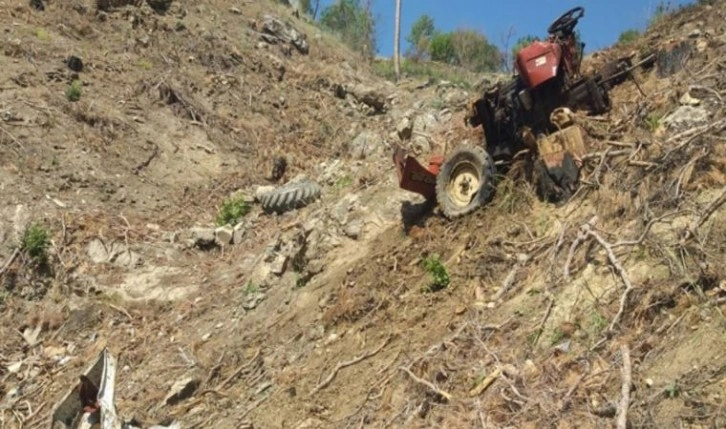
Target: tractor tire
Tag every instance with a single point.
(465, 181)
(291, 196)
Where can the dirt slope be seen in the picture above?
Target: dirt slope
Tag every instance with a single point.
(317, 317)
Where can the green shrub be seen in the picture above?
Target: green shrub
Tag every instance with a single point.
(439, 275)
(232, 210)
(35, 241)
(73, 92)
(629, 36)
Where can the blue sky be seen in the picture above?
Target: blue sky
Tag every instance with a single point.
(603, 22)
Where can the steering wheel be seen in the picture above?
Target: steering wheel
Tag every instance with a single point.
(567, 21)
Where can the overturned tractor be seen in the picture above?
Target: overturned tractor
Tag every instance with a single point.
(527, 118)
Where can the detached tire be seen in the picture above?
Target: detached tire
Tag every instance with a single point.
(465, 182)
(290, 196)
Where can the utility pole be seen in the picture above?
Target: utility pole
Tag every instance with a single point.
(397, 41)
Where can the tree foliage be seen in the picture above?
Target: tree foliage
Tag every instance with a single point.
(419, 38)
(353, 22)
(521, 43)
(462, 47)
(474, 52)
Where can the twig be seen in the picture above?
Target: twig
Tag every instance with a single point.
(580, 238)
(121, 310)
(146, 163)
(10, 260)
(509, 280)
(620, 270)
(426, 383)
(540, 327)
(13, 138)
(622, 421)
(346, 364)
(645, 231)
(237, 372)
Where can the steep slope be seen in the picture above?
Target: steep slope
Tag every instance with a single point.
(318, 317)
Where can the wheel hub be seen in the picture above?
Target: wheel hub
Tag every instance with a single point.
(465, 183)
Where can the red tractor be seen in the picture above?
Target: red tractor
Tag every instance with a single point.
(525, 118)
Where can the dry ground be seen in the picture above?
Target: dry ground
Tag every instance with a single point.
(545, 307)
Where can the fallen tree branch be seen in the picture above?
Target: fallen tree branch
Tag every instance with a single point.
(580, 238)
(426, 383)
(622, 421)
(619, 269)
(509, 280)
(345, 364)
(645, 231)
(10, 260)
(711, 209)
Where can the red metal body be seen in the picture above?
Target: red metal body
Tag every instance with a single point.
(538, 62)
(414, 177)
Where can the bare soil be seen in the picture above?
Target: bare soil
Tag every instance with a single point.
(180, 110)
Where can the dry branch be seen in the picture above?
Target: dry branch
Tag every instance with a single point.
(620, 270)
(10, 260)
(622, 421)
(345, 364)
(426, 383)
(580, 238)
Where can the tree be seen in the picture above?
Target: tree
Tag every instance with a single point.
(353, 23)
(397, 41)
(474, 52)
(419, 38)
(442, 48)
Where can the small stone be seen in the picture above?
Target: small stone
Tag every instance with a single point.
(279, 265)
(695, 33)
(181, 390)
(203, 236)
(354, 229)
(460, 310)
(688, 100)
(235, 10)
(649, 382)
(238, 234)
(223, 235)
(687, 117)
(404, 129)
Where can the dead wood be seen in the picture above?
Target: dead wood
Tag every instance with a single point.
(622, 421)
(447, 396)
(345, 364)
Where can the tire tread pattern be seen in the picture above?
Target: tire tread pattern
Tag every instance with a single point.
(290, 196)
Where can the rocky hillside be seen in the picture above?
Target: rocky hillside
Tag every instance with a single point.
(139, 140)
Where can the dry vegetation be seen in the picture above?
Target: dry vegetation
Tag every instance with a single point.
(604, 312)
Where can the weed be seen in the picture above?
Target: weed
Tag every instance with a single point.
(598, 322)
(73, 92)
(652, 121)
(672, 391)
(439, 275)
(35, 242)
(344, 182)
(3, 296)
(145, 64)
(232, 210)
(42, 35)
(251, 289)
(557, 336)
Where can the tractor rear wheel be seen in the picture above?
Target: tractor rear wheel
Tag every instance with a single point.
(465, 181)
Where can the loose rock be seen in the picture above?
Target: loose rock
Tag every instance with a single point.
(283, 32)
(223, 235)
(365, 145)
(181, 390)
(687, 117)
